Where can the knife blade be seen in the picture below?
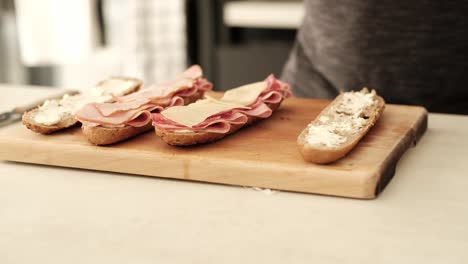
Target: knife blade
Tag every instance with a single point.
(16, 113)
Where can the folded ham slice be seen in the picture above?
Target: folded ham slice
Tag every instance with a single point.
(221, 122)
(135, 109)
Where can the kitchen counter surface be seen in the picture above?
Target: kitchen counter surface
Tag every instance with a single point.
(60, 215)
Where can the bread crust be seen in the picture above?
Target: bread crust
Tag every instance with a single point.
(67, 120)
(28, 121)
(100, 135)
(199, 137)
(324, 154)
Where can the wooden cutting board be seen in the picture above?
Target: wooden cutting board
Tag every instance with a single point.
(263, 155)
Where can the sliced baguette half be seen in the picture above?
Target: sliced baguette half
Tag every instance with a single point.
(67, 119)
(102, 135)
(188, 138)
(340, 126)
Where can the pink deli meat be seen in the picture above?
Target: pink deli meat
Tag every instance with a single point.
(135, 109)
(221, 122)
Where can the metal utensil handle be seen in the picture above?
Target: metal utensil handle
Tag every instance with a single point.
(24, 108)
(4, 116)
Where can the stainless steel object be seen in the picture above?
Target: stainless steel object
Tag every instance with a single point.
(16, 113)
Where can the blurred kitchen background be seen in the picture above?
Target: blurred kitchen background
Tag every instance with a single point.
(76, 43)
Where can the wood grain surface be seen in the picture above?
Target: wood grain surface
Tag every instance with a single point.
(262, 155)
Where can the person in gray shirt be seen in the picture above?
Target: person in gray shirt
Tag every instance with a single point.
(410, 52)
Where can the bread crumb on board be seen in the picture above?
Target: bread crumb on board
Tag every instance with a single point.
(262, 190)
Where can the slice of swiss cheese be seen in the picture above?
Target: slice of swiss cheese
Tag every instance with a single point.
(197, 112)
(246, 94)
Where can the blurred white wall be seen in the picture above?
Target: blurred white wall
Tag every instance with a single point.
(145, 39)
(55, 32)
(11, 69)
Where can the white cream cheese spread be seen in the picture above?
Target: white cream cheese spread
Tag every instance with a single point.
(183, 131)
(332, 128)
(321, 135)
(52, 111)
(353, 103)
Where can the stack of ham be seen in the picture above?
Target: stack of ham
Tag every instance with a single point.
(135, 109)
(237, 107)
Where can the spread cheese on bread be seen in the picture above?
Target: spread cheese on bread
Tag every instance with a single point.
(128, 116)
(52, 111)
(340, 126)
(212, 119)
(58, 114)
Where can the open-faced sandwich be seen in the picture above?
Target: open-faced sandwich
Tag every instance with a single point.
(128, 116)
(340, 126)
(212, 119)
(58, 114)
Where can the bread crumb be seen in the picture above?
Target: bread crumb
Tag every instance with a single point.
(263, 190)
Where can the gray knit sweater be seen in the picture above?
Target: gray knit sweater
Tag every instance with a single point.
(411, 52)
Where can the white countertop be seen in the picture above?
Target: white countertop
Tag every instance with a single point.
(59, 215)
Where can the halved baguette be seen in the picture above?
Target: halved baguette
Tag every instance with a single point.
(28, 120)
(344, 129)
(67, 119)
(199, 137)
(101, 135)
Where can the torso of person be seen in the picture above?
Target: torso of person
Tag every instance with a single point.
(411, 52)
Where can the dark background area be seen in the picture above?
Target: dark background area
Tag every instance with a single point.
(231, 56)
